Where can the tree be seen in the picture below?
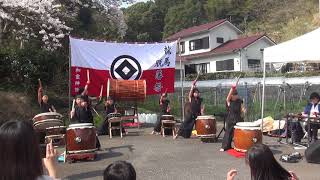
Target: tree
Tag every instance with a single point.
(217, 9)
(47, 19)
(188, 14)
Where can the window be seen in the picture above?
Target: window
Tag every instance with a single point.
(202, 68)
(220, 40)
(226, 65)
(182, 47)
(195, 68)
(199, 44)
(190, 69)
(254, 63)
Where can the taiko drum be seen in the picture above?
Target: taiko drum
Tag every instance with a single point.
(127, 90)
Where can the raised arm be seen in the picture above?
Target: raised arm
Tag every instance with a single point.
(233, 88)
(85, 91)
(39, 92)
(161, 98)
(192, 87)
(191, 90)
(202, 109)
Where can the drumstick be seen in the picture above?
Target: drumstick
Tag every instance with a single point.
(88, 75)
(238, 78)
(74, 101)
(96, 112)
(40, 84)
(101, 89)
(165, 92)
(195, 81)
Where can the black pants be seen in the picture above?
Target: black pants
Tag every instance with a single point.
(228, 135)
(98, 145)
(295, 131)
(187, 127)
(313, 131)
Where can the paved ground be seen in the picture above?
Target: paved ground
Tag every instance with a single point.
(157, 158)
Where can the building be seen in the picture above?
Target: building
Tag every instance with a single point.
(218, 47)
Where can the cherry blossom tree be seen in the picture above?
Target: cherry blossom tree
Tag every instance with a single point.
(48, 19)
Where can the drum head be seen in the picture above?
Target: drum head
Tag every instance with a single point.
(247, 124)
(114, 115)
(166, 115)
(80, 125)
(205, 117)
(58, 116)
(56, 127)
(44, 124)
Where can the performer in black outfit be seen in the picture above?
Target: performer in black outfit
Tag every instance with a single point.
(164, 110)
(83, 114)
(109, 107)
(196, 110)
(235, 108)
(43, 101)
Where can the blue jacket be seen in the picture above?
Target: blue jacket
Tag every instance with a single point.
(308, 107)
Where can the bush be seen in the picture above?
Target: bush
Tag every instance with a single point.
(21, 68)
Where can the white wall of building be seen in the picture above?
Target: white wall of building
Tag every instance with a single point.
(253, 52)
(212, 61)
(224, 31)
(194, 37)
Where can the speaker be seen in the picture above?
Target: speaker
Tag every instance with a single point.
(312, 153)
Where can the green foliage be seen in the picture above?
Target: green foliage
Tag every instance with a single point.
(181, 16)
(21, 68)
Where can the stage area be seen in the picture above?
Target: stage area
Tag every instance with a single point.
(158, 158)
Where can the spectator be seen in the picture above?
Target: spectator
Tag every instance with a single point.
(119, 170)
(20, 153)
(263, 165)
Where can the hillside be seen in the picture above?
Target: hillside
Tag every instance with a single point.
(281, 20)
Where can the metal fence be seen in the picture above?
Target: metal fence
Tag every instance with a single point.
(279, 99)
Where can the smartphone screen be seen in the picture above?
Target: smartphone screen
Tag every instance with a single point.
(43, 148)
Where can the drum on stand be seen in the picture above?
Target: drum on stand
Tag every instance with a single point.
(81, 138)
(127, 90)
(44, 124)
(206, 127)
(56, 134)
(246, 134)
(45, 116)
(168, 125)
(167, 117)
(112, 115)
(45, 120)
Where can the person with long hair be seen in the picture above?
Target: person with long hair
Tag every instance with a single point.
(235, 109)
(20, 153)
(197, 109)
(263, 165)
(119, 170)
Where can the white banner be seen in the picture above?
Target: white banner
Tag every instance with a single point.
(100, 55)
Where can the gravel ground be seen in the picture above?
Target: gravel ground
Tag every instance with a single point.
(158, 158)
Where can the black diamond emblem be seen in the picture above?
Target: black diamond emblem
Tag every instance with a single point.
(120, 70)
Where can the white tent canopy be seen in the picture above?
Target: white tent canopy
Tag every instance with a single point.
(302, 48)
